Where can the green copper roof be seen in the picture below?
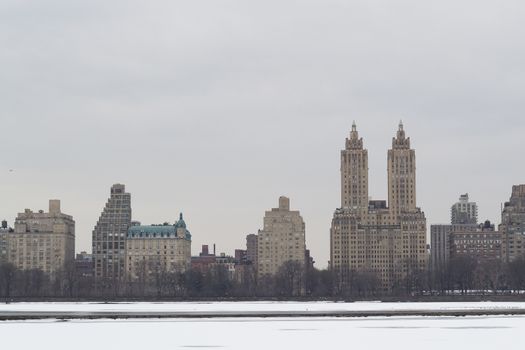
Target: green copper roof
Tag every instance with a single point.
(159, 231)
(155, 231)
(181, 222)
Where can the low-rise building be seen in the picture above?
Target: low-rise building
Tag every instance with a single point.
(483, 243)
(84, 264)
(157, 249)
(240, 257)
(204, 260)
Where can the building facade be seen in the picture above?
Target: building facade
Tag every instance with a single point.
(482, 244)
(84, 264)
(512, 225)
(464, 212)
(281, 240)
(4, 247)
(109, 236)
(252, 249)
(44, 241)
(371, 236)
(155, 249)
(440, 243)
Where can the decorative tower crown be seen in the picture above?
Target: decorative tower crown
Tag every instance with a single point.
(401, 141)
(354, 142)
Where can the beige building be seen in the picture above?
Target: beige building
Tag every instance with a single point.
(281, 240)
(369, 236)
(155, 249)
(512, 225)
(44, 241)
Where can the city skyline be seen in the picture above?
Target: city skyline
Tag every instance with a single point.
(236, 240)
(210, 108)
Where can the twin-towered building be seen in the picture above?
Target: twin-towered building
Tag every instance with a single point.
(386, 239)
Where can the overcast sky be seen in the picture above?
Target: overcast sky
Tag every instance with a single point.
(216, 108)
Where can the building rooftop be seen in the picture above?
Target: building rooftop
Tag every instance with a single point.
(158, 231)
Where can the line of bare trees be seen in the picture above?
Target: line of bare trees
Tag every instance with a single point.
(462, 275)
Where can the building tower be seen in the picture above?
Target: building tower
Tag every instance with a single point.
(109, 236)
(387, 242)
(354, 173)
(281, 241)
(401, 174)
(513, 224)
(464, 212)
(44, 241)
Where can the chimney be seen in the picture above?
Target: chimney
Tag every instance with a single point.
(213, 248)
(54, 206)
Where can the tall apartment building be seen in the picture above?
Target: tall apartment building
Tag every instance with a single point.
(512, 225)
(252, 249)
(464, 218)
(370, 236)
(155, 249)
(281, 240)
(464, 212)
(44, 241)
(4, 231)
(441, 237)
(109, 236)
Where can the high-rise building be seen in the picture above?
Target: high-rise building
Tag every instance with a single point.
(464, 218)
(441, 237)
(155, 249)
(401, 175)
(44, 241)
(281, 240)
(369, 236)
(4, 248)
(252, 249)
(513, 225)
(354, 173)
(464, 212)
(109, 236)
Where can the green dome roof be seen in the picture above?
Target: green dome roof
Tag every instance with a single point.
(181, 222)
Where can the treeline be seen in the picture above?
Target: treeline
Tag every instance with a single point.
(461, 276)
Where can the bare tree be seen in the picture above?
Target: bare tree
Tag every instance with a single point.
(7, 277)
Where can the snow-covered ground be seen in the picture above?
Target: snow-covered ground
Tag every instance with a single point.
(255, 306)
(372, 333)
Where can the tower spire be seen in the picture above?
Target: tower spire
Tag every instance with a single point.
(354, 141)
